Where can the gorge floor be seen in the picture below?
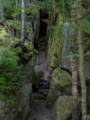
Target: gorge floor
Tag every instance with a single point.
(39, 111)
(38, 107)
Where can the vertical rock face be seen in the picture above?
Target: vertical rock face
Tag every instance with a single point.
(66, 45)
(41, 65)
(26, 90)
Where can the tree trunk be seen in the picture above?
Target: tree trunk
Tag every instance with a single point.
(53, 14)
(74, 69)
(81, 60)
(1, 12)
(23, 17)
(74, 89)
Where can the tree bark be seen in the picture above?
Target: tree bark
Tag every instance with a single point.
(23, 18)
(53, 15)
(74, 89)
(81, 60)
(1, 12)
(74, 69)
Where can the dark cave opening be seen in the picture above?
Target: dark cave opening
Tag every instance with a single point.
(43, 24)
(42, 41)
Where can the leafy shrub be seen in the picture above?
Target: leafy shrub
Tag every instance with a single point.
(8, 70)
(6, 39)
(15, 25)
(86, 25)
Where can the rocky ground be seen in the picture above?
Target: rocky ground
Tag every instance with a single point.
(39, 111)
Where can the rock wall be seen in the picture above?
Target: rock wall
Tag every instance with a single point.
(19, 109)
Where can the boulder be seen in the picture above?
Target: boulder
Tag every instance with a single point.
(61, 78)
(88, 117)
(63, 107)
(60, 85)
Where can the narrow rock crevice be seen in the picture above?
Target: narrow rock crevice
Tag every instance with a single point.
(41, 43)
(38, 106)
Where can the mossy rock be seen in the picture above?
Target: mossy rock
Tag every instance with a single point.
(63, 107)
(61, 78)
(60, 84)
(88, 117)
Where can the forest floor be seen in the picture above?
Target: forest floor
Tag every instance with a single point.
(39, 111)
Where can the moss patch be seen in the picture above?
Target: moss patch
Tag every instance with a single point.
(61, 78)
(88, 117)
(55, 43)
(63, 107)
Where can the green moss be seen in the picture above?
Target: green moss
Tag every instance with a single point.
(63, 105)
(55, 43)
(88, 117)
(61, 78)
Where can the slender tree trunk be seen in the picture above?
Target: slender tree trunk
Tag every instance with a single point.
(31, 34)
(53, 14)
(1, 12)
(81, 60)
(74, 89)
(74, 69)
(23, 17)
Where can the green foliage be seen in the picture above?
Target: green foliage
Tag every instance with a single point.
(8, 58)
(26, 52)
(46, 5)
(9, 8)
(86, 25)
(6, 39)
(16, 26)
(8, 70)
(76, 55)
(9, 74)
(87, 54)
